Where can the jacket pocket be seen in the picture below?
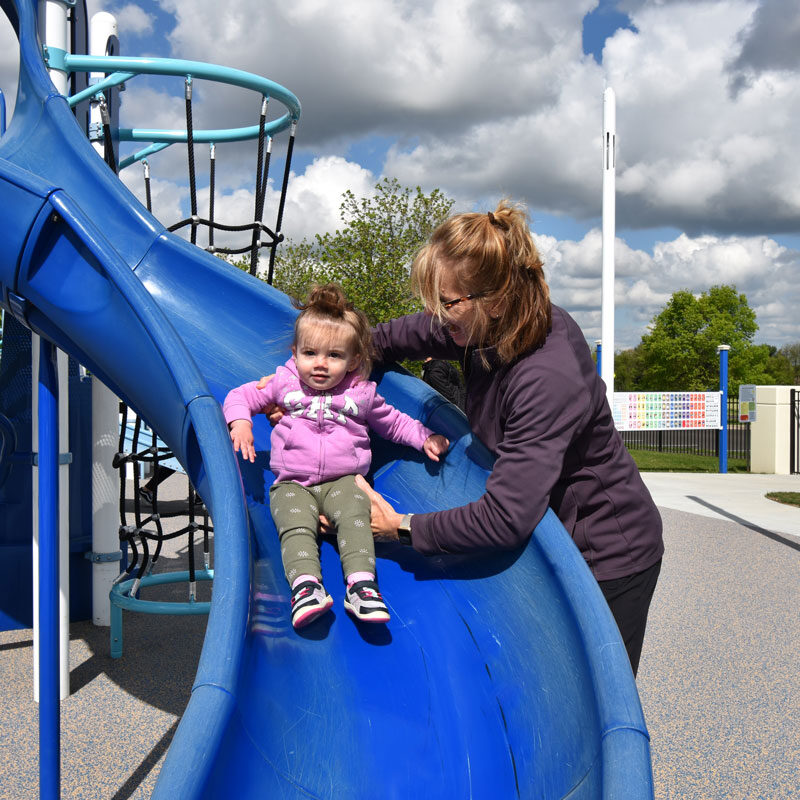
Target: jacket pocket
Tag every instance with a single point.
(295, 455)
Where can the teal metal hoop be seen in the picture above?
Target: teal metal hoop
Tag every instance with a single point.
(121, 600)
(123, 68)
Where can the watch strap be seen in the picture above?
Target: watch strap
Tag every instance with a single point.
(404, 529)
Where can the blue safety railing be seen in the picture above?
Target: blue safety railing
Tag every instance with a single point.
(122, 69)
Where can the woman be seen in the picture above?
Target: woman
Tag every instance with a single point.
(535, 399)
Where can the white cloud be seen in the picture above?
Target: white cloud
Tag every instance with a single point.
(312, 202)
(313, 198)
(489, 100)
(131, 18)
(759, 267)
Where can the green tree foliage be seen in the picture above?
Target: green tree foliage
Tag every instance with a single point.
(680, 352)
(791, 352)
(628, 369)
(370, 256)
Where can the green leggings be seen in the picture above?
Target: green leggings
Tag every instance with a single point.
(296, 509)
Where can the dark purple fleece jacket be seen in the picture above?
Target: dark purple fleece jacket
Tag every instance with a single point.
(546, 418)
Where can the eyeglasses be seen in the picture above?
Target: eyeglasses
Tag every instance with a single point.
(448, 304)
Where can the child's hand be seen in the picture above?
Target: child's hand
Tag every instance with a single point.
(435, 446)
(242, 438)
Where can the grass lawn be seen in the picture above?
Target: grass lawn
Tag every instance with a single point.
(648, 461)
(789, 498)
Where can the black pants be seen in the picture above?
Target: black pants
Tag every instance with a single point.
(629, 600)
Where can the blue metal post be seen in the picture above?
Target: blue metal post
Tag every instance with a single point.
(599, 343)
(2, 113)
(49, 688)
(723, 389)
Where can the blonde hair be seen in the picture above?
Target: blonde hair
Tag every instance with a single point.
(327, 313)
(492, 255)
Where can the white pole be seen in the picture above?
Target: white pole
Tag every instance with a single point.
(55, 26)
(609, 225)
(55, 33)
(105, 415)
(101, 28)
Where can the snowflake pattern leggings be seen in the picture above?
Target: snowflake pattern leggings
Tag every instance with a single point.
(296, 509)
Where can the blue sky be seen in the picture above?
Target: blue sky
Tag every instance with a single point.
(505, 99)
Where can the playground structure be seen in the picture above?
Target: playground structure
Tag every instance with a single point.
(499, 675)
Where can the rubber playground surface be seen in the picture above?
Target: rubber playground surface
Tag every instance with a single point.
(718, 678)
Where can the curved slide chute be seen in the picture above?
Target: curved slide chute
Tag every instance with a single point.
(498, 676)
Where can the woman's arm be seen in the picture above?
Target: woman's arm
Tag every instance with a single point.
(413, 336)
(540, 426)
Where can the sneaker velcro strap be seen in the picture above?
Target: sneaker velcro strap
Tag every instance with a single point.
(303, 589)
(372, 586)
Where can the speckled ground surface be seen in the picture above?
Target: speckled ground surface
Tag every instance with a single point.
(718, 679)
(720, 672)
(121, 714)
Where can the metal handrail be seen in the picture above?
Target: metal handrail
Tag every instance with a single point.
(122, 68)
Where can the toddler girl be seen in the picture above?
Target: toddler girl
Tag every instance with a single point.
(318, 447)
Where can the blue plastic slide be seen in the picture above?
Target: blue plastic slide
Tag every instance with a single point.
(498, 676)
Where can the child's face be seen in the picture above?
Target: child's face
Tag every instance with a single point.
(322, 364)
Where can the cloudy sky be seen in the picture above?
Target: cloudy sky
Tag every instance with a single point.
(485, 100)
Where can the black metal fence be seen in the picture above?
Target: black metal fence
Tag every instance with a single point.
(702, 442)
(794, 431)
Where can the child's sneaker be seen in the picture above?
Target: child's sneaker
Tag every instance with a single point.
(363, 600)
(309, 600)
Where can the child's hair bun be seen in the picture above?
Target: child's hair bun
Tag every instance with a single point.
(328, 300)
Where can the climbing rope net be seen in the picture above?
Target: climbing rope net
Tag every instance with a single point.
(144, 536)
(138, 445)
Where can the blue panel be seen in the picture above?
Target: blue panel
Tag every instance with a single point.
(16, 511)
(498, 675)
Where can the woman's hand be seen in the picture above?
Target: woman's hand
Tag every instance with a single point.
(264, 380)
(242, 438)
(274, 412)
(435, 446)
(384, 520)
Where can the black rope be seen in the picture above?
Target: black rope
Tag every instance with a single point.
(274, 239)
(282, 203)
(261, 235)
(231, 251)
(148, 528)
(211, 172)
(149, 199)
(190, 145)
(262, 121)
(108, 143)
(220, 226)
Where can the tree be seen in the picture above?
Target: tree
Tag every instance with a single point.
(778, 368)
(370, 256)
(791, 352)
(628, 368)
(680, 352)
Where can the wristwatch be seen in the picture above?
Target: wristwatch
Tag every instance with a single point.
(404, 529)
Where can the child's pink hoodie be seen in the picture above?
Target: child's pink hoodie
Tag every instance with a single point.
(324, 434)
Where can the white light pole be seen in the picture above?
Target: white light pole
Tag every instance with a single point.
(609, 226)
